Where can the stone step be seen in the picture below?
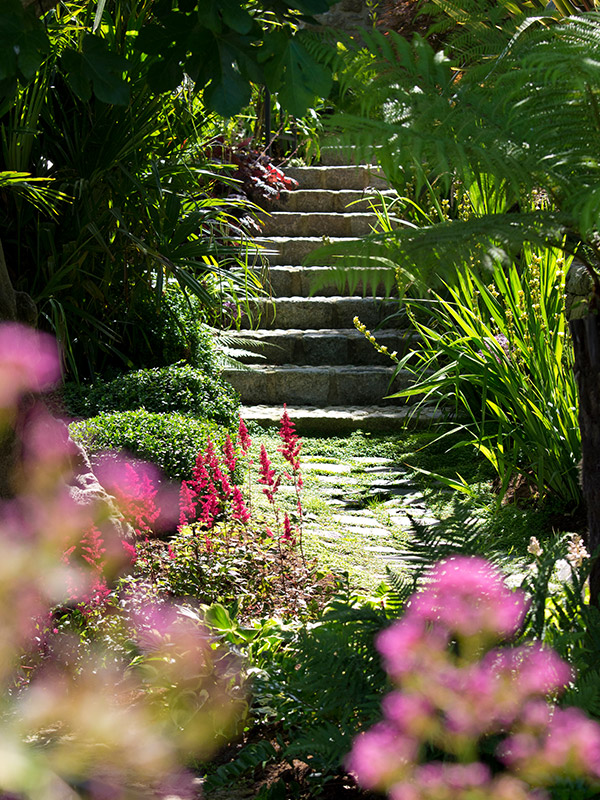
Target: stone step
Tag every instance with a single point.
(319, 347)
(287, 281)
(328, 200)
(338, 420)
(282, 250)
(336, 155)
(323, 312)
(318, 223)
(342, 177)
(326, 385)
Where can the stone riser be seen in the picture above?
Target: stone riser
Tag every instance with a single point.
(318, 348)
(319, 224)
(319, 386)
(286, 281)
(280, 251)
(322, 312)
(326, 200)
(342, 177)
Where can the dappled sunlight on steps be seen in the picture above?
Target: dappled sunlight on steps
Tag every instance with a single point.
(309, 354)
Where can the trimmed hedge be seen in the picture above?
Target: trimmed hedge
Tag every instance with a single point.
(180, 388)
(171, 441)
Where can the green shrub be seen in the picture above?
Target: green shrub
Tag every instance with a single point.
(171, 441)
(172, 332)
(179, 387)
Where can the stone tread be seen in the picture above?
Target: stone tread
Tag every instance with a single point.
(321, 346)
(342, 177)
(339, 419)
(323, 385)
(318, 223)
(328, 200)
(324, 312)
(281, 250)
(286, 280)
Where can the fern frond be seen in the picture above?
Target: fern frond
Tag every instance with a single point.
(422, 255)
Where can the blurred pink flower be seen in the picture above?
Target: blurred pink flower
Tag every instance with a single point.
(29, 362)
(408, 646)
(381, 756)
(468, 596)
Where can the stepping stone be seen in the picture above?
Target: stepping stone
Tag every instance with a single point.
(320, 466)
(342, 479)
(355, 519)
(370, 460)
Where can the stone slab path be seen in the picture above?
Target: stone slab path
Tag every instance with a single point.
(381, 528)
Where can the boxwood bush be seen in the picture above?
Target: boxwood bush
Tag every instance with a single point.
(171, 441)
(180, 388)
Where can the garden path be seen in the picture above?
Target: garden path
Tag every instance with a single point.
(331, 377)
(370, 503)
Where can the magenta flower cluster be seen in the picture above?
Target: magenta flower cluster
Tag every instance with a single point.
(456, 689)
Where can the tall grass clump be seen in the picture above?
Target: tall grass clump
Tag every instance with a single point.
(500, 354)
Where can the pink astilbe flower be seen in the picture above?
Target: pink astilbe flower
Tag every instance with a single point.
(211, 459)
(292, 444)
(229, 458)
(187, 503)
(239, 509)
(29, 362)
(210, 507)
(267, 475)
(243, 438)
(287, 535)
(131, 551)
(136, 497)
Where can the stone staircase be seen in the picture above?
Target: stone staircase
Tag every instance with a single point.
(313, 359)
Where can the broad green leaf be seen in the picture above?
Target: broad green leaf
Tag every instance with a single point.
(106, 71)
(228, 91)
(75, 74)
(96, 67)
(235, 16)
(295, 75)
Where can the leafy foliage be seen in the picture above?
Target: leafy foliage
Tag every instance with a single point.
(526, 115)
(319, 684)
(180, 388)
(499, 354)
(171, 441)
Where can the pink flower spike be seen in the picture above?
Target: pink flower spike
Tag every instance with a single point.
(229, 458)
(267, 475)
(29, 362)
(240, 510)
(291, 442)
(287, 535)
(243, 438)
(187, 504)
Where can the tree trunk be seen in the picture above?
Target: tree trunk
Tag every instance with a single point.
(586, 343)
